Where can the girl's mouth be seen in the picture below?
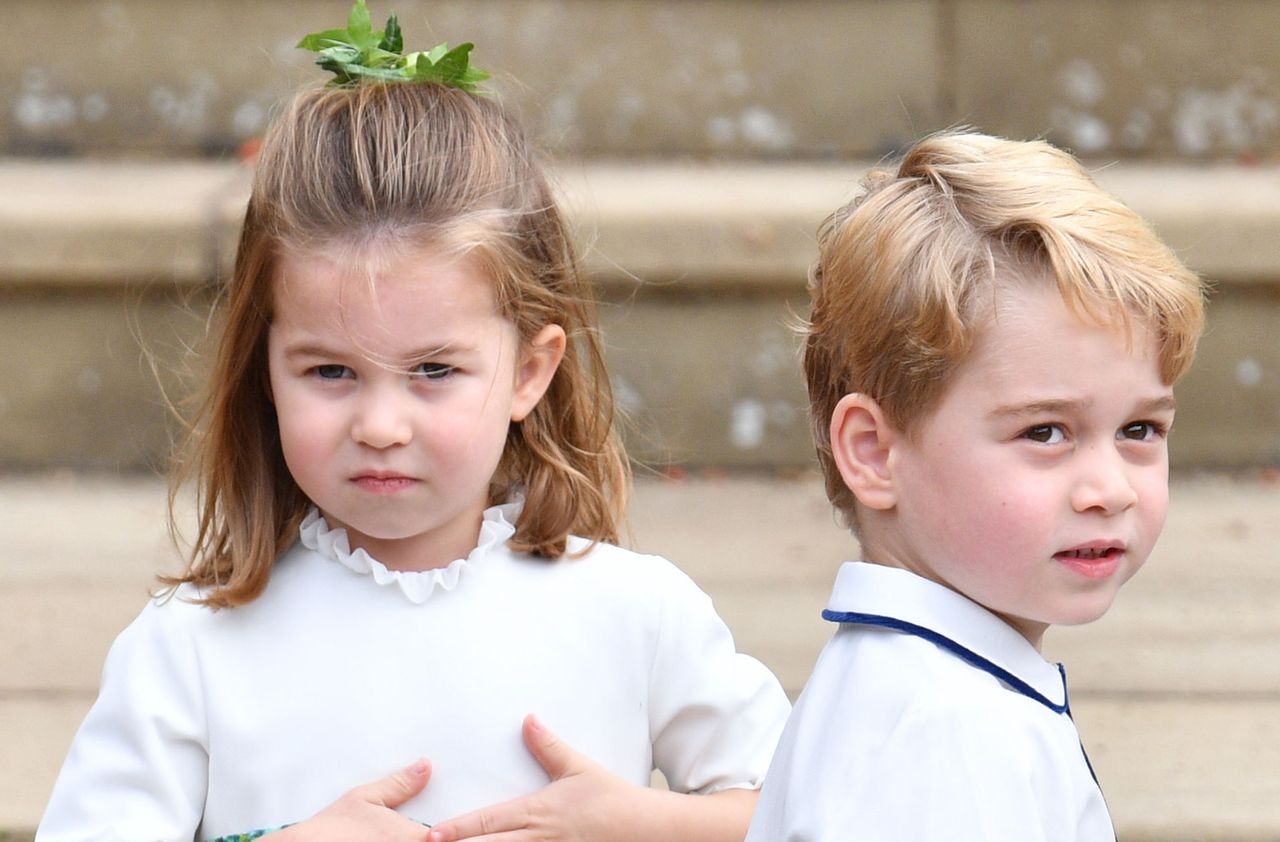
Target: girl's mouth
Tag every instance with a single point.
(383, 483)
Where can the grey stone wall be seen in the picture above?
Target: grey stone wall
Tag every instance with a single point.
(800, 79)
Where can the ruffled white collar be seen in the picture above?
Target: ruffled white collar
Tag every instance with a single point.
(497, 526)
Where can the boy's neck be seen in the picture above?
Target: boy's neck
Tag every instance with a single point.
(875, 551)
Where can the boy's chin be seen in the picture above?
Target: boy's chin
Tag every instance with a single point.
(1084, 613)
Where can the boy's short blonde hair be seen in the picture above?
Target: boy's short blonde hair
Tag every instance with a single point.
(904, 272)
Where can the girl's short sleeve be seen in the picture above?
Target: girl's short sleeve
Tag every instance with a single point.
(715, 715)
(138, 766)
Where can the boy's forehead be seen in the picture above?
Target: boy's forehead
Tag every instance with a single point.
(1034, 340)
(1026, 293)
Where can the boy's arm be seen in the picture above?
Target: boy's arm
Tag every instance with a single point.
(586, 803)
(988, 773)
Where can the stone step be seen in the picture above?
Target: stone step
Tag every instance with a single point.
(1176, 691)
(728, 223)
(107, 270)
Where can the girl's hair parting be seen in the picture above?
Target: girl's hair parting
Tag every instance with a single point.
(907, 272)
(395, 164)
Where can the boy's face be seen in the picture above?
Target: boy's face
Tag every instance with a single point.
(1039, 483)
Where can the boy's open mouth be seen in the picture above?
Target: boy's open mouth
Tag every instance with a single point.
(1088, 554)
(1096, 561)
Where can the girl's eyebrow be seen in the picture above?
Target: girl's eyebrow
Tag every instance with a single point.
(1160, 403)
(311, 348)
(453, 349)
(308, 349)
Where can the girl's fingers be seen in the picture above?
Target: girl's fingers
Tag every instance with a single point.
(492, 822)
(521, 835)
(553, 754)
(396, 788)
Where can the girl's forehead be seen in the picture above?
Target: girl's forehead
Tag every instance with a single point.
(354, 276)
(385, 305)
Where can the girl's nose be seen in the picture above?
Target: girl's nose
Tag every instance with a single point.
(380, 421)
(1104, 483)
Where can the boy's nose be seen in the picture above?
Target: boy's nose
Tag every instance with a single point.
(381, 421)
(1103, 483)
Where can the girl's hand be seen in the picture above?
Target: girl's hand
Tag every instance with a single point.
(366, 812)
(586, 803)
(582, 802)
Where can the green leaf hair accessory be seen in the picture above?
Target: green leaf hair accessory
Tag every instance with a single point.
(362, 51)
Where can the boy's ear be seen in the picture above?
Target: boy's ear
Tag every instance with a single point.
(537, 365)
(861, 443)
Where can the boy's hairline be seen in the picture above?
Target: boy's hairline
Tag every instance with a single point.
(1121, 319)
(1118, 318)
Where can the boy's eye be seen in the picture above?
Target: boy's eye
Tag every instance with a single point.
(1045, 434)
(1141, 431)
(432, 371)
(332, 371)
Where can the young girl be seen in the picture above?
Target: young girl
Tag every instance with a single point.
(407, 480)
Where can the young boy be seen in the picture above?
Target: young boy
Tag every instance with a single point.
(990, 359)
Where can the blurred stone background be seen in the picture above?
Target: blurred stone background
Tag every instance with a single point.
(805, 79)
(698, 144)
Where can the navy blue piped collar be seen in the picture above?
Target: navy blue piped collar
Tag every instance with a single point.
(871, 594)
(973, 658)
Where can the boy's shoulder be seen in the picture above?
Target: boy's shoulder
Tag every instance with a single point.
(923, 647)
(879, 694)
(921, 698)
(915, 680)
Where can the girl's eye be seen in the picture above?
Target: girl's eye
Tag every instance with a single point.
(332, 371)
(1045, 434)
(1142, 431)
(433, 371)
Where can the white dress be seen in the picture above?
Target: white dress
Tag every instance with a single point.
(211, 723)
(928, 718)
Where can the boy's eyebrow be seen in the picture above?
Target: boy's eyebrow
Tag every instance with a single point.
(1164, 403)
(1161, 403)
(1045, 407)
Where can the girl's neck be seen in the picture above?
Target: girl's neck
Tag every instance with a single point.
(430, 550)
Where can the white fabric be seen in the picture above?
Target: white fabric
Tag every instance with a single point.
(210, 723)
(897, 738)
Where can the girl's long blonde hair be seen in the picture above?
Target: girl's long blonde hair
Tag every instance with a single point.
(392, 164)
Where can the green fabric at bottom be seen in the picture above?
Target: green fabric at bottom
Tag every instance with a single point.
(250, 836)
(258, 834)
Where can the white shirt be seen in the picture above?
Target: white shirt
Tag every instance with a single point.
(210, 723)
(927, 718)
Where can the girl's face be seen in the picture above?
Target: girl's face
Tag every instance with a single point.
(394, 386)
